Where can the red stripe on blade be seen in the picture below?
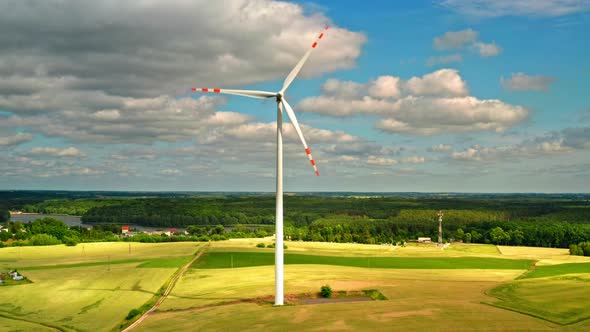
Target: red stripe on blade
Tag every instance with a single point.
(314, 45)
(308, 151)
(321, 35)
(194, 89)
(317, 173)
(312, 162)
(327, 26)
(205, 90)
(217, 90)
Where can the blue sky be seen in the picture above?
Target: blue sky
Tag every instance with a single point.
(451, 95)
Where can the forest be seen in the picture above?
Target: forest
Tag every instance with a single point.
(510, 219)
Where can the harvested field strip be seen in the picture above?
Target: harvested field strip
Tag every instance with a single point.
(173, 262)
(221, 260)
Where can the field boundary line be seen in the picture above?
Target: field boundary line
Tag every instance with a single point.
(171, 285)
(52, 327)
(530, 270)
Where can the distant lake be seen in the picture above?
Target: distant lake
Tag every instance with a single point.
(71, 221)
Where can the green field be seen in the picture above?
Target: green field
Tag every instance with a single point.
(559, 269)
(223, 260)
(563, 300)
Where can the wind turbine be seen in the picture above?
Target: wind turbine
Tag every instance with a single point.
(281, 102)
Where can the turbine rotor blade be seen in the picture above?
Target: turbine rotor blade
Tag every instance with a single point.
(295, 124)
(299, 65)
(245, 93)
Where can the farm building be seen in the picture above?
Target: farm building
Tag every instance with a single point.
(125, 229)
(424, 240)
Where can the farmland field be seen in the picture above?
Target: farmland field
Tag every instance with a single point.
(423, 295)
(220, 260)
(464, 287)
(564, 299)
(85, 288)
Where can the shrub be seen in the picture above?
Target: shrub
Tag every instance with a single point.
(581, 249)
(5, 236)
(326, 291)
(274, 245)
(70, 241)
(261, 245)
(43, 240)
(132, 313)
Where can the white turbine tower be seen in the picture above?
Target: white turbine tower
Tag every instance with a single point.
(281, 102)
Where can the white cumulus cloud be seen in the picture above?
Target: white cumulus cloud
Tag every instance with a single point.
(487, 50)
(435, 103)
(524, 82)
(454, 39)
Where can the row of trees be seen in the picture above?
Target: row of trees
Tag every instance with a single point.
(50, 231)
(527, 221)
(303, 210)
(363, 230)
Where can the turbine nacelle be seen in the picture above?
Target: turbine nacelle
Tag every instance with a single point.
(279, 96)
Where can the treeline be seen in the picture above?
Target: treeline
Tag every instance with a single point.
(76, 207)
(302, 211)
(520, 220)
(364, 230)
(50, 231)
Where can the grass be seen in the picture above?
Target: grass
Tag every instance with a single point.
(544, 256)
(174, 262)
(81, 288)
(14, 325)
(423, 294)
(94, 288)
(20, 257)
(363, 250)
(418, 300)
(82, 298)
(563, 300)
(221, 260)
(559, 269)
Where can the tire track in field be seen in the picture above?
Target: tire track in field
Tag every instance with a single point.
(51, 327)
(179, 274)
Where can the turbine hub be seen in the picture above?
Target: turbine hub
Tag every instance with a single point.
(279, 97)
